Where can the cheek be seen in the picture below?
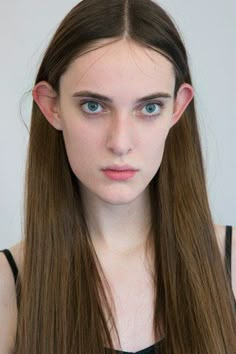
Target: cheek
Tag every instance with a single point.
(154, 148)
(80, 145)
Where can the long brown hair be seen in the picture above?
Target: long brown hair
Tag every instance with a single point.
(65, 302)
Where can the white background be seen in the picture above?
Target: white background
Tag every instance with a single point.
(209, 32)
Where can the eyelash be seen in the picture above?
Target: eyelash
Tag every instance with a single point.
(160, 104)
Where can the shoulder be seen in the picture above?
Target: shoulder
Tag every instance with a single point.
(17, 251)
(233, 261)
(6, 276)
(8, 306)
(220, 231)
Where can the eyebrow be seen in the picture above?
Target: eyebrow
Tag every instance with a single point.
(109, 100)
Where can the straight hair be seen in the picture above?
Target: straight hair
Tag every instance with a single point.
(65, 301)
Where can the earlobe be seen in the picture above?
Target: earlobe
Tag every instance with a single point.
(183, 98)
(46, 98)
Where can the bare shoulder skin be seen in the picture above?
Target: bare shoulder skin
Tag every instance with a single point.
(8, 305)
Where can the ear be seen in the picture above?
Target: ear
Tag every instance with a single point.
(183, 98)
(46, 98)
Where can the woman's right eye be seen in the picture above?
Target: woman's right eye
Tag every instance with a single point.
(90, 107)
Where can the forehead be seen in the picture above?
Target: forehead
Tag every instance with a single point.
(122, 63)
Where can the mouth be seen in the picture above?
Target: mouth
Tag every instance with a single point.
(119, 175)
(120, 168)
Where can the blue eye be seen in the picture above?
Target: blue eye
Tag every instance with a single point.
(151, 108)
(92, 106)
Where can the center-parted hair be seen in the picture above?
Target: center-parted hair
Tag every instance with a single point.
(65, 303)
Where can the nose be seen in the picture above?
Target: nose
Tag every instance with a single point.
(119, 134)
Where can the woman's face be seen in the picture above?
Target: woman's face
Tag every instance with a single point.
(124, 127)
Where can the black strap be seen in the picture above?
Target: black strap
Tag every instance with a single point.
(228, 247)
(11, 262)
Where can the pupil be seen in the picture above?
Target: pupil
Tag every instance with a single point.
(150, 105)
(93, 106)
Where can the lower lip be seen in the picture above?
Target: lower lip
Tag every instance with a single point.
(119, 175)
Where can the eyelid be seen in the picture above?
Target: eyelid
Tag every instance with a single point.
(157, 101)
(86, 100)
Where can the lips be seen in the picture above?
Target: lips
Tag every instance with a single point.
(121, 175)
(120, 168)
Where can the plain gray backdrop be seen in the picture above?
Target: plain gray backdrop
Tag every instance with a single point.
(209, 32)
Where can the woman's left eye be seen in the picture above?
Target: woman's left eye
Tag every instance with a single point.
(154, 108)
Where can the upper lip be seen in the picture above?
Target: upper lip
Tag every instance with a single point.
(120, 167)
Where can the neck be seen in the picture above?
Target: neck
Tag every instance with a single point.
(120, 229)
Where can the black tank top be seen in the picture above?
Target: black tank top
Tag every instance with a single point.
(158, 346)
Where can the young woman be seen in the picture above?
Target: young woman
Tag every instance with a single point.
(120, 251)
